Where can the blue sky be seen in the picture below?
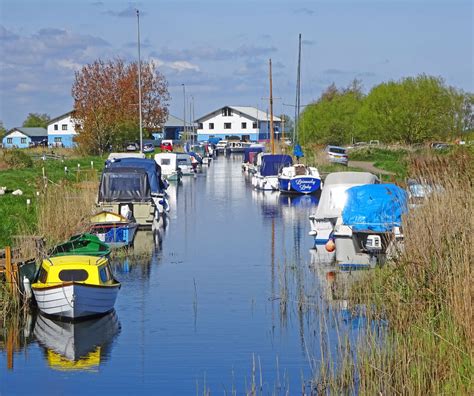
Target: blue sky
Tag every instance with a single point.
(220, 49)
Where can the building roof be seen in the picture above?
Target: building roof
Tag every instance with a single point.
(53, 120)
(31, 132)
(173, 121)
(252, 112)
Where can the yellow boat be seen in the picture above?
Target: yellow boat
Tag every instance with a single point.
(75, 286)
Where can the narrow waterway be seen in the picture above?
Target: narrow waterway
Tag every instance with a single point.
(225, 293)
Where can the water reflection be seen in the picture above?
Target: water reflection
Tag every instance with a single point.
(83, 345)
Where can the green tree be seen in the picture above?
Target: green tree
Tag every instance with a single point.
(288, 124)
(414, 109)
(330, 120)
(36, 120)
(3, 130)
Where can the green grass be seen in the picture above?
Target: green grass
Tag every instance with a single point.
(15, 214)
(391, 160)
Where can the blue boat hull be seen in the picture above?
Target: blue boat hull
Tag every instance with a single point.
(299, 184)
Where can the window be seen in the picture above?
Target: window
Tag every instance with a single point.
(56, 127)
(244, 125)
(64, 127)
(227, 125)
(23, 140)
(57, 140)
(42, 275)
(211, 125)
(165, 161)
(9, 140)
(73, 275)
(105, 274)
(226, 112)
(200, 126)
(254, 125)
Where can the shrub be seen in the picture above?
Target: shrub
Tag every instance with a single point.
(17, 159)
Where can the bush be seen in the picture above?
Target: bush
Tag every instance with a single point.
(17, 159)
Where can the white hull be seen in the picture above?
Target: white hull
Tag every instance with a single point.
(320, 230)
(76, 300)
(266, 183)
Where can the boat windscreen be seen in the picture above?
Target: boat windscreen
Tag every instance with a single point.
(150, 166)
(124, 185)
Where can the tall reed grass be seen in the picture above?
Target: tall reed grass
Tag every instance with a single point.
(425, 294)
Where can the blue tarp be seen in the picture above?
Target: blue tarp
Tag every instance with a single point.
(152, 169)
(273, 163)
(196, 156)
(214, 140)
(249, 150)
(374, 207)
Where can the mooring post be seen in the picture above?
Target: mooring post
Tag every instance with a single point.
(8, 267)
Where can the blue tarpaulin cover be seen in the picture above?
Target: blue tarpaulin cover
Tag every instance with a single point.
(249, 150)
(272, 164)
(150, 166)
(374, 207)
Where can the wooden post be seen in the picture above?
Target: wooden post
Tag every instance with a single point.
(272, 139)
(10, 350)
(8, 267)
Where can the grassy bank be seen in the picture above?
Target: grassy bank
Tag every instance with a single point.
(20, 218)
(426, 294)
(389, 159)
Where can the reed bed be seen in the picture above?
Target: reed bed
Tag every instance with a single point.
(426, 293)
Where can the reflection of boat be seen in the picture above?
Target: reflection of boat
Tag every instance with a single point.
(370, 225)
(75, 286)
(268, 168)
(82, 245)
(76, 346)
(333, 199)
(114, 229)
(310, 200)
(299, 179)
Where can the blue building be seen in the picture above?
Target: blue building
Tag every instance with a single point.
(25, 137)
(246, 122)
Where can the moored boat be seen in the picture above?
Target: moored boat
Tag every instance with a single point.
(81, 244)
(332, 201)
(169, 166)
(299, 179)
(268, 168)
(75, 287)
(114, 229)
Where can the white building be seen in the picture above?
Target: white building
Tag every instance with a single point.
(61, 130)
(249, 123)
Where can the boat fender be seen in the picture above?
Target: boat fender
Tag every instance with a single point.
(27, 287)
(330, 246)
(166, 206)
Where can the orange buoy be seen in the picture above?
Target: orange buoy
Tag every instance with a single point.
(331, 276)
(330, 246)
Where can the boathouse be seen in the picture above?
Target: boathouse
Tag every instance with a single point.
(246, 122)
(25, 137)
(62, 130)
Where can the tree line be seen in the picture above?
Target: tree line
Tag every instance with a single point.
(411, 110)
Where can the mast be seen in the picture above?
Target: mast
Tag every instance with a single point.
(298, 88)
(184, 112)
(139, 83)
(272, 139)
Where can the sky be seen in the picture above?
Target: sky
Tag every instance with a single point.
(220, 49)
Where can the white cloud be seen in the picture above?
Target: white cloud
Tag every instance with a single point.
(183, 66)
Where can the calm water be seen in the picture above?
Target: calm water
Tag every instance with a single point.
(222, 289)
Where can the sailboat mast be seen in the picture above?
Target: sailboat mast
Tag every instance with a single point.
(298, 93)
(272, 139)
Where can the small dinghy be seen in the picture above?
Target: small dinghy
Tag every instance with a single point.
(114, 229)
(82, 244)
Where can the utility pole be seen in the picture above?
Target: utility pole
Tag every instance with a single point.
(272, 139)
(184, 111)
(139, 83)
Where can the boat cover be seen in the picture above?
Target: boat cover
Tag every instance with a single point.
(374, 207)
(119, 184)
(249, 150)
(273, 163)
(150, 166)
(196, 156)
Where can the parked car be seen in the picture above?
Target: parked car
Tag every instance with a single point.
(132, 146)
(337, 155)
(166, 145)
(148, 148)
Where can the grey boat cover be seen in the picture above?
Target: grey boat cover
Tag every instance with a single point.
(333, 196)
(124, 185)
